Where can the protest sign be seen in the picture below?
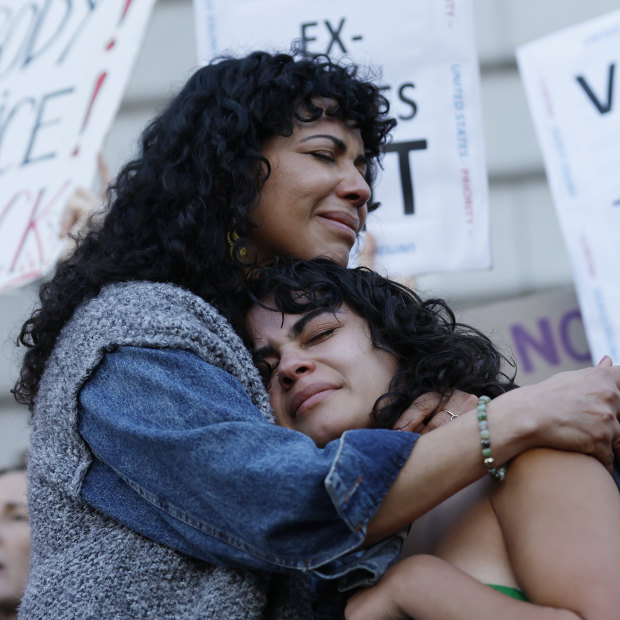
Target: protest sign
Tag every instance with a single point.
(63, 70)
(543, 332)
(433, 187)
(573, 95)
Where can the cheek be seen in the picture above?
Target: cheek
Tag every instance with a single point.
(383, 369)
(18, 556)
(281, 418)
(363, 215)
(279, 411)
(308, 184)
(22, 544)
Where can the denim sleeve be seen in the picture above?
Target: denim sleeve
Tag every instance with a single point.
(184, 457)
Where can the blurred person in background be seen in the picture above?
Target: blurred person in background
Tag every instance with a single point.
(14, 540)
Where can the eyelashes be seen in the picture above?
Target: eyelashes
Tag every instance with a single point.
(323, 156)
(362, 167)
(266, 371)
(324, 333)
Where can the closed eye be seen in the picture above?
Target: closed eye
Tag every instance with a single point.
(266, 370)
(323, 156)
(320, 336)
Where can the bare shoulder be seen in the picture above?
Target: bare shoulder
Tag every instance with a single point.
(552, 472)
(559, 514)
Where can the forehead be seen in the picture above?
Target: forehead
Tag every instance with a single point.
(324, 125)
(269, 327)
(267, 323)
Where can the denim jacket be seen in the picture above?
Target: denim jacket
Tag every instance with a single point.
(191, 463)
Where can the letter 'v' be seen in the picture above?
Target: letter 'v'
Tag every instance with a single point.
(603, 108)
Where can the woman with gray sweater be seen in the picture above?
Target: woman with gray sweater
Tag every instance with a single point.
(159, 484)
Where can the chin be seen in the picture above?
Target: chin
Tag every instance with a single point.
(322, 437)
(339, 255)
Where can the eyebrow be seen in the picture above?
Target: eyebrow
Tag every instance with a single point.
(340, 145)
(298, 327)
(295, 330)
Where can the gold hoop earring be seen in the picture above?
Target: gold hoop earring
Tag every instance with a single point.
(231, 238)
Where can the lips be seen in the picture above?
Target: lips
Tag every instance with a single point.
(344, 218)
(308, 396)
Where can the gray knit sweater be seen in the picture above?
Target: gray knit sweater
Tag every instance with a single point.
(84, 564)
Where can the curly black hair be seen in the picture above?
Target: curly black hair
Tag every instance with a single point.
(434, 352)
(172, 210)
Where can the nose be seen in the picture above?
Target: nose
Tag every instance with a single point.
(291, 367)
(354, 188)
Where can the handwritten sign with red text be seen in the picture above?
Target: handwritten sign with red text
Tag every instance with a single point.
(63, 69)
(433, 187)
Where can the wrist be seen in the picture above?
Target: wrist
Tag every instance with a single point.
(514, 428)
(496, 471)
(417, 572)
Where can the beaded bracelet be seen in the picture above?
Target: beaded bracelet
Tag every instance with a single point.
(497, 473)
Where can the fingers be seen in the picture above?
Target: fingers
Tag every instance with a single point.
(66, 222)
(614, 371)
(430, 411)
(604, 454)
(104, 175)
(616, 446)
(415, 416)
(78, 206)
(439, 419)
(458, 403)
(598, 390)
(461, 402)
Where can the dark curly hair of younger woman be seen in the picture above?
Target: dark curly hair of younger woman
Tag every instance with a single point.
(434, 352)
(172, 211)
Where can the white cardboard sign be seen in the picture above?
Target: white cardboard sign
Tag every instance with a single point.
(63, 70)
(573, 92)
(434, 184)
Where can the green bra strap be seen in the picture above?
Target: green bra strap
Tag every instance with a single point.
(512, 592)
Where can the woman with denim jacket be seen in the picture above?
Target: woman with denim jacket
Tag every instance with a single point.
(158, 483)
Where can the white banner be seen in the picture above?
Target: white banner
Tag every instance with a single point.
(434, 185)
(63, 70)
(572, 87)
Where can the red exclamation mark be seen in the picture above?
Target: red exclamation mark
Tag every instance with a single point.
(102, 76)
(112, 41)
(96, 90)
